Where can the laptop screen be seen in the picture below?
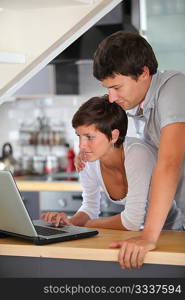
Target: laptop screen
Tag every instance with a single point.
(13, 214)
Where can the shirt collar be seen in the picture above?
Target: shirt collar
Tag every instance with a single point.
(149, 98)
(148, 102)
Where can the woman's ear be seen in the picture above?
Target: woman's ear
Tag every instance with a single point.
(115, 135)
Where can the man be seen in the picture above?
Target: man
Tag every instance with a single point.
(126, 65)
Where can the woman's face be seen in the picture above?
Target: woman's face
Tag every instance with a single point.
(93, 142)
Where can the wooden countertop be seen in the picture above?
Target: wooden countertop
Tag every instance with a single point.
(48, 186)
(170, 250)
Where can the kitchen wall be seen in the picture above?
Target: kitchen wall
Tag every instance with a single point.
(59, 109)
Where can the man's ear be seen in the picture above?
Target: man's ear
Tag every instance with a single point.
(146, 72)
(115, 135)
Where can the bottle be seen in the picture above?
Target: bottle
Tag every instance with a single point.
(70, 160)
(51, 164)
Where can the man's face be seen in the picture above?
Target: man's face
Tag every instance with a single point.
(126, 91)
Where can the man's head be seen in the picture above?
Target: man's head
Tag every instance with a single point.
(105, 117)
(124, 53)
(124, 62)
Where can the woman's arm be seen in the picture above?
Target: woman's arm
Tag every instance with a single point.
(79, 219)
(113, 222)
(90, 191)
(139, 164)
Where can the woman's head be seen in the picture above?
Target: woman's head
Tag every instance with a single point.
(105, 116)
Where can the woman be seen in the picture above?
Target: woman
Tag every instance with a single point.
(120, 167)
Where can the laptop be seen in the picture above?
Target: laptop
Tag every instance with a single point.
(15, 220)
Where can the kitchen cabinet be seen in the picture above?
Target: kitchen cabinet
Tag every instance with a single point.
(66, 196)
(40, 196)
(35, 195)
(66, 201)
(70, 201)
(91, 257)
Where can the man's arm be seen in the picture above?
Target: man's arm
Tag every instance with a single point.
(164, 183)
(165, 178)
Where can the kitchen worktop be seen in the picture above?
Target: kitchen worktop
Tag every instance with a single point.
(57, 182)
(170, 250)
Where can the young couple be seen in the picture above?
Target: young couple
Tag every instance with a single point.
(145, 183)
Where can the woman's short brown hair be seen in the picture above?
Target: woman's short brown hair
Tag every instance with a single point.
(104, 115)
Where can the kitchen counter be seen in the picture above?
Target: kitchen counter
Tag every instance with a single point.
(167, 260)
(49, 183)
(48, 186)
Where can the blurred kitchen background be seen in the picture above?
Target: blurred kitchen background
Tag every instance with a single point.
(35, 128)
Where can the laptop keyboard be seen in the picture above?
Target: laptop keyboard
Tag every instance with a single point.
(47, 231)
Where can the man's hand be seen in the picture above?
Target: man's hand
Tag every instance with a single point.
(56, 219)
(132, 251)
(80, 161)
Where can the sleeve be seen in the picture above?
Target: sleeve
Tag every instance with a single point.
(171, 101)
(91, 192)
(139, 164)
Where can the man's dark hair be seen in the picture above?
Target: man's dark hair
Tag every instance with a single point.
(124, 53)
(104, 115)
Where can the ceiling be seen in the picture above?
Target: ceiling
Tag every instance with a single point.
(34, 4)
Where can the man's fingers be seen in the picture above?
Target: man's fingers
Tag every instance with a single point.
(121, 255)
(134, 258)
(129, 250)
(79, 161)
(141, 256)
(132, 251)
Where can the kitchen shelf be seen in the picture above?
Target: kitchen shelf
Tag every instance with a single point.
(41, 137)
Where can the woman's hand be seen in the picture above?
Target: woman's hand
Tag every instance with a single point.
(56, 219)
(79, 161)
(132, 251)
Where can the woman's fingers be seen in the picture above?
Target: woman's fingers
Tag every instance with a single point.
(56, 219)
(48, 216)
(61, 219)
